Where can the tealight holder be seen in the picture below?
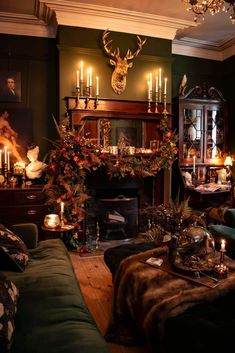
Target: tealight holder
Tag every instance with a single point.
(52, 221)
(221, 270)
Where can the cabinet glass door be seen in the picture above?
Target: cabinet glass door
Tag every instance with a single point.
(214, 135)
(192, 134)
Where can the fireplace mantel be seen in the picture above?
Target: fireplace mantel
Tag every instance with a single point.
(116, 110)
(91, 111)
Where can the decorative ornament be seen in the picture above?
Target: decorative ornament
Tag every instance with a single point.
(118, 81)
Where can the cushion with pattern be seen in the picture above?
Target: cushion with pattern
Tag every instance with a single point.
(14, 254)
(8, 306)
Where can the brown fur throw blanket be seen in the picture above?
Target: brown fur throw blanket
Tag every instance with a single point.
(145, 297)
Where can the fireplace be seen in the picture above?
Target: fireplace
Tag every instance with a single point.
(125, 197)
(118, 217)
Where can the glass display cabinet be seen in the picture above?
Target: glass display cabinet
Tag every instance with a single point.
(202, 116)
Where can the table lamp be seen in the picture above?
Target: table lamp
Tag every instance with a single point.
(228, 163)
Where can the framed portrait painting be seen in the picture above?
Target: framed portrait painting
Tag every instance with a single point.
(10, 86)
(16, 131)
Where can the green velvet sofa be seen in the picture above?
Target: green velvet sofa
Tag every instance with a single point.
(52, 316)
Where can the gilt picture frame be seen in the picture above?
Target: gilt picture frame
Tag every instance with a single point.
(10, 86)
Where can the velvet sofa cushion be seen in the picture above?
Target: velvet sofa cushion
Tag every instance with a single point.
(52, 315)
(8, 307)
(14, 254)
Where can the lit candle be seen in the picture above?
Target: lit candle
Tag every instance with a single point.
(97, 85)
(165, 84)
(194, 162)
(149, 96)
(90, 77)
(77, 79)
(5, 155)
(82, 67)
(150, 82)
(160, 78)
(62, 209)
(87, 77)
(156, 84)
(222, 245)
(0, 159)
(8, 161)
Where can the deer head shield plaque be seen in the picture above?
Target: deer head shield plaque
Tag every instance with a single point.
(121, 65)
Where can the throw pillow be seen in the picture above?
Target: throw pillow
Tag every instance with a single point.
(8, 307)
(14, 254)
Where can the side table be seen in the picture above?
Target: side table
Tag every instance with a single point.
(58, 232)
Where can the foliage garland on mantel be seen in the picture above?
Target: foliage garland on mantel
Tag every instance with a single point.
(74, 156)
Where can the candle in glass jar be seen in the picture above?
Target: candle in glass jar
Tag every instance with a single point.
(222, 245)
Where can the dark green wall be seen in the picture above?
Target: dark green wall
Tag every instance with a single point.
(214, 73)
(37, 61)
(48, 68)
(79, 44)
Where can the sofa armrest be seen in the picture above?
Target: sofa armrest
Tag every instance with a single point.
(229, 217)
(28, 232)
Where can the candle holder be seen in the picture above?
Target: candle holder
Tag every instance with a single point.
(156, 102)
(87, 97)
(149, 105)
(78, 105)
(160, 95)
(221, 270)
(90, 91)
(81, 88)
(164, 102)
(96, 103)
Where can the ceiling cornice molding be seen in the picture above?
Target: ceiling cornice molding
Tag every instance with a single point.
(28, 25)
(183, 48)
(72, 13)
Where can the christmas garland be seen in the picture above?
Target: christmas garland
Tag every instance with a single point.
(74, 157)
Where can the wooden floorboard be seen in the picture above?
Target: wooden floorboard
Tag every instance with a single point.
(96, 284)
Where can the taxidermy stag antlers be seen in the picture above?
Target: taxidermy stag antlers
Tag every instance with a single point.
(118, 81)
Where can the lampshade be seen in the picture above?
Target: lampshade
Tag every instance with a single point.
(228, 161)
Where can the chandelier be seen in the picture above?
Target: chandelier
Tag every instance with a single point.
(214, 6)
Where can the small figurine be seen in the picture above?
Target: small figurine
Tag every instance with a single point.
(35, 168)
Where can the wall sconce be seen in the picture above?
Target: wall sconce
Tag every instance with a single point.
(52, 221)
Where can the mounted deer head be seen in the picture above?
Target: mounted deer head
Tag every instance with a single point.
(118, 81)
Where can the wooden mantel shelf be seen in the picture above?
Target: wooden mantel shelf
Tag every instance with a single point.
(83, 114)
(112, 109)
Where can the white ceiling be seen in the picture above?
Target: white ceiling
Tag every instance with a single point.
(213, 39)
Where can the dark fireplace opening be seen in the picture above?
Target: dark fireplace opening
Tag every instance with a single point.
(118, 217)
(116, 211)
